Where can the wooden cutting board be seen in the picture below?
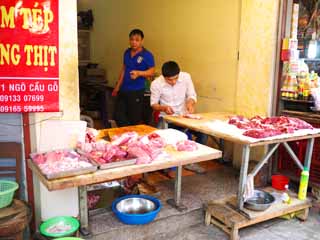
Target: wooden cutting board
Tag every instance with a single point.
(111, 132)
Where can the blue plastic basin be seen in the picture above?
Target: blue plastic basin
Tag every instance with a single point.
(134, 218)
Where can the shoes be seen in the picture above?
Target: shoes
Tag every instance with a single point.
(194, 167)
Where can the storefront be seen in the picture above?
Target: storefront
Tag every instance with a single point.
(231, 54)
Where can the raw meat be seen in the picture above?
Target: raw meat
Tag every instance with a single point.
(261, 133)
(59, 227)
(192, 116)
(124, 138)
(147, 148)
(141, 155)
(187, 145)
(93, 199)
(113, 153)
(59, 161)
(128, 145)
(258, 127)
(91, 135)
(156, 141)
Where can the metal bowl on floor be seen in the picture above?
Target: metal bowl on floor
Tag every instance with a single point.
(135, 205)
(136, 209)
(261, 201)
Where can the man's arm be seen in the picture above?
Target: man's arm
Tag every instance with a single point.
(155, 99)
(167, 109)
(147, 73)
(119, 83)
(191, 96)
(190, 104)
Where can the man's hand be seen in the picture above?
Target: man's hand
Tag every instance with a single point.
(190, 105)
(115, 92)
(134, 74)
(168, 110)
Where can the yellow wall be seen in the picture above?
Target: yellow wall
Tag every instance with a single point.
(257, 48)
(202, 36)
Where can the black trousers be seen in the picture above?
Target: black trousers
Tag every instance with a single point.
(129, 108)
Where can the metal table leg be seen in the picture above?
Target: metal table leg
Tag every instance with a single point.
(308, 156)
(83, 206)
(176, 202)
(243, 174)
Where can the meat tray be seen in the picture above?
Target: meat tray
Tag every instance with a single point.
(67, 173)
(117, 164)
(121, 163)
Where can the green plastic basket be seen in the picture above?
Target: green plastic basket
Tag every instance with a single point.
(65, 220)
(7, 189)
(69, 238)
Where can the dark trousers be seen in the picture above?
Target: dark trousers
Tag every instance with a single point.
(129, 108)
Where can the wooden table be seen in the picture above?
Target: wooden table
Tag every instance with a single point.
(223, 213)
(177, 159)
(200, 126)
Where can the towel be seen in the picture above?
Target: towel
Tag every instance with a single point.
(249, 188)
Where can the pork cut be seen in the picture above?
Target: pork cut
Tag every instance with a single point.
(258, 127)
(59, 161)
(124, 138)
(187, 145)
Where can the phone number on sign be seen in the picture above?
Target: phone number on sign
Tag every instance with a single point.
(24, 98)
(27, 108)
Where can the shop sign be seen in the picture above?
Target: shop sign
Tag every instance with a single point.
(29, 56)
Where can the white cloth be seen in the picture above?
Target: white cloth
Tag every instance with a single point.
(249, 189)
(174, 96)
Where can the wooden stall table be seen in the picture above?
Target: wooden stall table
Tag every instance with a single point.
(202, 126)
(177, 159)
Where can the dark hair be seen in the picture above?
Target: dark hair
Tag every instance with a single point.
(136, 32)
(170, 69)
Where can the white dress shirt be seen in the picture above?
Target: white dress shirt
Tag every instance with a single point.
(174, 96)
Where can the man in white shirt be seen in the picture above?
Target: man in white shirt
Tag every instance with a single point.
(173, 93)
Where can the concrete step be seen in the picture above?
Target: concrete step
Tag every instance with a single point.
(196, 190)
(159, 227)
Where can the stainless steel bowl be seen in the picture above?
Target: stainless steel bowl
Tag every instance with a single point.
(260, 201)
(135, 206)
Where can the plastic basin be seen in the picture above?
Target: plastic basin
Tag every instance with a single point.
(136, 218)
(69, 238)
(7, 189)
(67, 227)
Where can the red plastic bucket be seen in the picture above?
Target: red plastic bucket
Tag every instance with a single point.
(279, 182)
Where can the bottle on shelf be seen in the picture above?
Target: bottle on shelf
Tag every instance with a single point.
(285, 196)
(306, 88)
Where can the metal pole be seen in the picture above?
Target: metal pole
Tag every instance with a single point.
(308, 157)
(243, 174)
(264, 159)
(293, 155)
(83, 206)
(177, 187)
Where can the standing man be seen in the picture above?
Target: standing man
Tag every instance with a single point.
(173, 93)
(138, 64)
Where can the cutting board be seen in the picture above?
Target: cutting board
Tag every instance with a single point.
(140, 129)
